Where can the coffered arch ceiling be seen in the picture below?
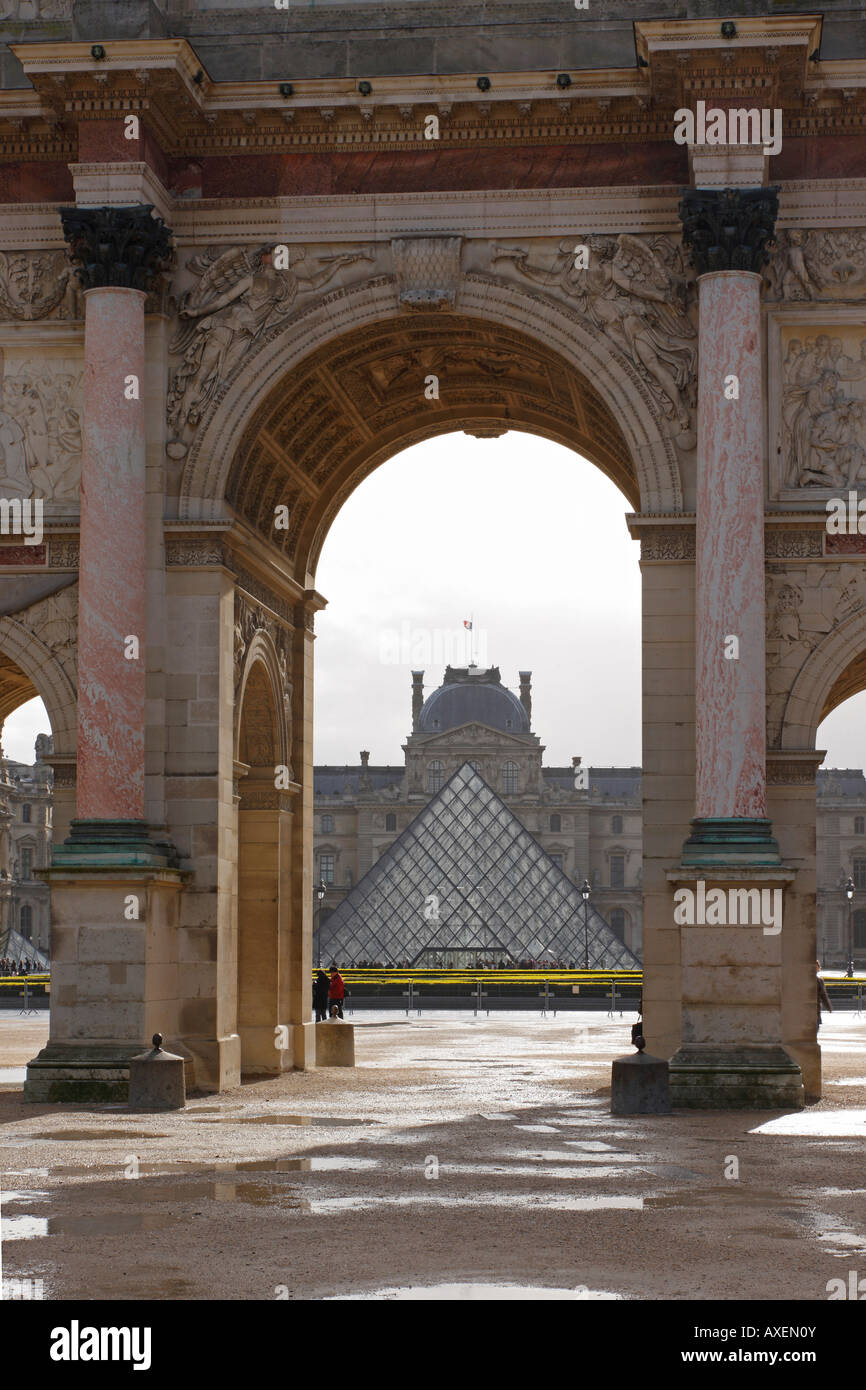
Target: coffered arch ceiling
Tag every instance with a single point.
(360, 399)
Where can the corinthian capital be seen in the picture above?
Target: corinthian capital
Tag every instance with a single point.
(728, 228)
(125, 247)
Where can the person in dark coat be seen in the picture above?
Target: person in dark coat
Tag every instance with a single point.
(321, 986)
(823, 996)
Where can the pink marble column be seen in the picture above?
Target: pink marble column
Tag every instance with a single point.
(730, 693)
(111, 687)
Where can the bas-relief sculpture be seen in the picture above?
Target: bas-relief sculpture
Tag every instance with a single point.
(240, 297)
(634, 290)
(809, 265)
(39, 285)
(249, 620)
(823, 408)
(40, 428)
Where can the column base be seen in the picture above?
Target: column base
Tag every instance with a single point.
(731, 841)
(712, 1077)
(80, 1073)
(112, 844)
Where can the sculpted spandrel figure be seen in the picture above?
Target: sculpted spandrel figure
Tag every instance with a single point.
(239, 297)
(630, 292)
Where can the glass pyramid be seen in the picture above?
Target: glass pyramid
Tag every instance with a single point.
(465, 877)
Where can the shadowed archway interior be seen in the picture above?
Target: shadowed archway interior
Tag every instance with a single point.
(357, 401)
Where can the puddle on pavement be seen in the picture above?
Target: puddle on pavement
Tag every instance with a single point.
(279, 1119)
(533, 1201)
(106, 1224)
(817, 1124)
(13, 1076)
(98, 1134)
(29, 1226)
(481, 1293)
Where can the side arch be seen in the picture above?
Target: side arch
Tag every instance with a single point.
(833, 671)
(47, 678)
(257, 704)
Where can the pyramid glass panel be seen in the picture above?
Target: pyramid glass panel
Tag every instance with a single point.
(466, 875)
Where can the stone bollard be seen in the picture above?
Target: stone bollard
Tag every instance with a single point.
(639, 1085)
(335, 1044)
(156, 1080)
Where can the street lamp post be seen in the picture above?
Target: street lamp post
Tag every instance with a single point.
(320, 892)
(849, 894)
(585, 891)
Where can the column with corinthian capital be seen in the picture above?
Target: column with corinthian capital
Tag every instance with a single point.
(731, 875)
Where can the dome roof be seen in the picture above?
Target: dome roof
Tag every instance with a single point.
(472, 696)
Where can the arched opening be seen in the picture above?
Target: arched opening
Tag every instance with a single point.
(33, 798)
(400, 545)
(841, 817)
(262, 842)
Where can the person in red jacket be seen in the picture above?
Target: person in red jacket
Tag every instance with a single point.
(336, 991)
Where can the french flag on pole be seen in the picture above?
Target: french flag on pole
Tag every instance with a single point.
(467, 623)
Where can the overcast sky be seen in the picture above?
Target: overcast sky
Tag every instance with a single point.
(527, 539)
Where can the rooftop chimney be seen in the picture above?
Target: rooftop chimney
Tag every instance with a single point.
(417, 696)
(526, 692)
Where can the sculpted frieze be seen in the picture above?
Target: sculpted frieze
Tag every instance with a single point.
(803, 606)
(40, 428)
(825, 264)
(238, 299)
(633, 289)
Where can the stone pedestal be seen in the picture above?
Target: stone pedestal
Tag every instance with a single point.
(114, 980)
(639, 1086)
(335, 1044)
(156, 1080)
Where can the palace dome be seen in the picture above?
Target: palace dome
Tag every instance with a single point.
(470, 695)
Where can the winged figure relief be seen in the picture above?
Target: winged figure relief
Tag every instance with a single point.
(240, 296)
(633, 290)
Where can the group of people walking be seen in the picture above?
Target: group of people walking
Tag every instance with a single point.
(328, 994)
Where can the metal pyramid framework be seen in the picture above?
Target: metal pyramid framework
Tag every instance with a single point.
(465, 875)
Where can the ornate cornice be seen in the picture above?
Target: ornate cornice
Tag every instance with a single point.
(730, 228)
(122, 247)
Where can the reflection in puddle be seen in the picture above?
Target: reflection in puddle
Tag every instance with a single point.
(532, 1201)
(99, 1134)
(31, 1227)
(481, 1293)
(280, 1119)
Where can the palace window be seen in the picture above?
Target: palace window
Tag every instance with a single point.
(860, 930)
(326, 868)
(556, 822)
(859, 873)
(26, 813)
(616, 825)
(391, 822)
(26, 921)
(860, 825)
(327, 825)
(510, 779)
(26, 864)
(435, 777)
(617, 871)
(617, 922)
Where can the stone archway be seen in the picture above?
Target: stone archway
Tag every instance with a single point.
(834, 670)
(565, 380)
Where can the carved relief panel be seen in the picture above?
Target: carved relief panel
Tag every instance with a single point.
(817, 402)
(40, 424)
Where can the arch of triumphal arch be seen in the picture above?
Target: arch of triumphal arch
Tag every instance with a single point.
(247, 255)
